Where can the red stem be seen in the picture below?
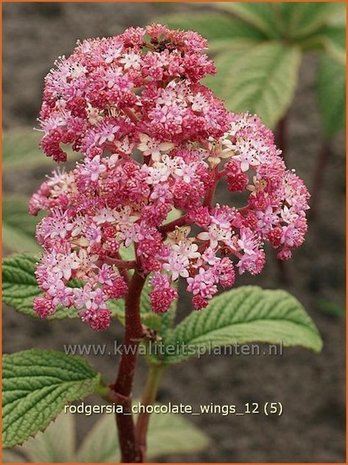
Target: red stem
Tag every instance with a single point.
(211, 192)
(122, 389)
(130, 114)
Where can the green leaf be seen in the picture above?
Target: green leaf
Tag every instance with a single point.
(19, 287)
(331, 91)
(54, 445)
(168, 434)
(261, 80)
(18, 227)
(261, 16)
(224, 61)
(331, 308)
(213, 26)
(337, 16)
(244, 315)
(300, 20)
(37, 384)
(21, 148)
(232, 45)
(334, 42)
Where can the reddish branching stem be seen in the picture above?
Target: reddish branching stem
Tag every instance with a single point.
(208, 199)
(122, 389)
(130, 114)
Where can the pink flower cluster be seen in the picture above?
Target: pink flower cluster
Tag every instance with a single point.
(155, 142)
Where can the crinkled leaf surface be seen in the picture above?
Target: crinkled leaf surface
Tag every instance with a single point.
(19, 286)
(37, 384)
(244, 315)
(261, 79)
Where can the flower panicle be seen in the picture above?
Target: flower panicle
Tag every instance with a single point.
(154, 141)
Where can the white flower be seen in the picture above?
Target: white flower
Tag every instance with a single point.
(77, 70)
(214, 235)
(247, 155)
(93, 114)
(288, 215)
(105, 215)
(187, 249)
(186, 172)
(177, 266)
(199, 103)
(154, 148)
(131, 60)
(158, 174)
(112, 53)
(125, 216)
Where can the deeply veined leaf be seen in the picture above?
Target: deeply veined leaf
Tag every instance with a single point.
(224, 62)
(37, 384)
(261, 80)
(244, 315)
(19, 287)
(213, 26)
(54, 445)
(168, 433)
(18, 227)
(331, 91)
(261, 16)
(299, 20)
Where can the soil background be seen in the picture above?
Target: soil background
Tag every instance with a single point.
(310, 386)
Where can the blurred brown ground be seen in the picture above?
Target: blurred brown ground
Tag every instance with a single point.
(311, 387)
